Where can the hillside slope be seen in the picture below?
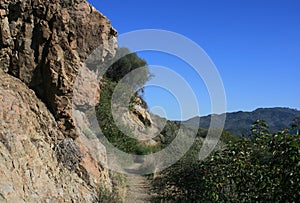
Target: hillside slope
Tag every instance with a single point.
(239, 123)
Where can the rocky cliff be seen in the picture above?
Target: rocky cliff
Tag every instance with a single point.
(43, 45)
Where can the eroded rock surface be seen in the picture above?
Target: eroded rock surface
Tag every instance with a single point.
(43, 46)
(30, 170)
(44, 43)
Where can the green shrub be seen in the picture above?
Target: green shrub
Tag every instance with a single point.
(126, 63)
(265, 168)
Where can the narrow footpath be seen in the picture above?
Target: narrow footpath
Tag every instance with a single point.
(138, 190)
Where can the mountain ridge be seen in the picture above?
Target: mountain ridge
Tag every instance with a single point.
(239, 122)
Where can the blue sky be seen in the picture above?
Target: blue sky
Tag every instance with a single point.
(254, 44)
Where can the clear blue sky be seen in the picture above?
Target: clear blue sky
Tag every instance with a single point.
(255, 44)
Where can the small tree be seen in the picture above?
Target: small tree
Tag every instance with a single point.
(126, 63)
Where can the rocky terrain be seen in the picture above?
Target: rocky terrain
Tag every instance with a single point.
(38, 164)
(43, 45)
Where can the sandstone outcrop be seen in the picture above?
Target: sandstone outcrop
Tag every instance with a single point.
(43, 46)
(37, 164)
(44, 43)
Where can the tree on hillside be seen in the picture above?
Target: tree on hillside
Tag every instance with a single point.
(126, 63)
(117, 75)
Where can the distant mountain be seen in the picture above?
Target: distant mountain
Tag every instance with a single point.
(239, 123)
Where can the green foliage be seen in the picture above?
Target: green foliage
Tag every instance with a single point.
(126, 63)
(259, 129)
(111, 131)
(265, 168)
(228, 138)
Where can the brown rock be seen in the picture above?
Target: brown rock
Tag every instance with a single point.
(31, 169)
(44, 43)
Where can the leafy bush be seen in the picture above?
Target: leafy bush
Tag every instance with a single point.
(111, 131)
(265, 168)
(126, 63)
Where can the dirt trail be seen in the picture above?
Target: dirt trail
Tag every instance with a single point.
(138, 187)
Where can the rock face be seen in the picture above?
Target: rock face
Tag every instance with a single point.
(31, 145)
(44, 43)
(43, 46)
(142, 125)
